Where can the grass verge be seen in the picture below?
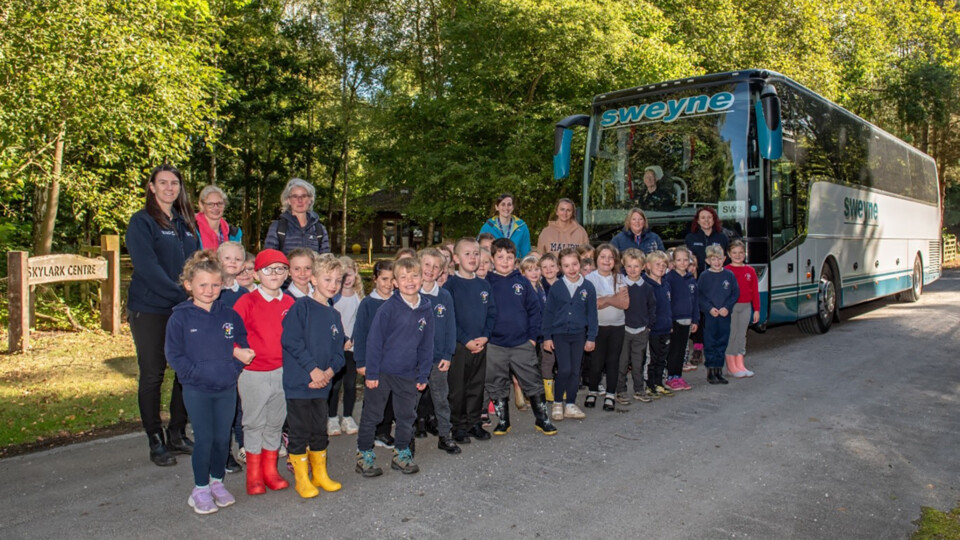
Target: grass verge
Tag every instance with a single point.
(936, 525)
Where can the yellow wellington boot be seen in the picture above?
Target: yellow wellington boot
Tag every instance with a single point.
(302, 476)
(548, 389)
(318, 462)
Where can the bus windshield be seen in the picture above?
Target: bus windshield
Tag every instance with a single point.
(670, 154)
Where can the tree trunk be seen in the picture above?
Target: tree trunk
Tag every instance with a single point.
(50, 199)
(343, 221)
(212, 172)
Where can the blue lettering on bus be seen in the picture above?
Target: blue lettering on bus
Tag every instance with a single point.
(669, 110)
(860, 210)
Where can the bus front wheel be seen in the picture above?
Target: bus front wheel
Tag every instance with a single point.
(913, 293)
(826, 305)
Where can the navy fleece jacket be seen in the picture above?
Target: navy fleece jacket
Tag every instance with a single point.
(361, 327)
(475, 307)
(698, 243)
(662, 322)
(199, 345)
(401, 340)
(312, 338)
(445, 325)
(685, 303)
(646, 241)
(566, 314)
(718, 290)
(643, 305)
(158, 256)
(518, 310)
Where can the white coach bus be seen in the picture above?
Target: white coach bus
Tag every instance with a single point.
(834, 211)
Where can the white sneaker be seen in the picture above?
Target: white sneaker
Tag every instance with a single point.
(348, 425)
(557, 412)
(242, 455)
(333, 427)
(570, 410)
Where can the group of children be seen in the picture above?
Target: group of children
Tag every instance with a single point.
(461, 328)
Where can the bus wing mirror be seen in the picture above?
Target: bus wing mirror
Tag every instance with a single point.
(769, 127)
(562, 136)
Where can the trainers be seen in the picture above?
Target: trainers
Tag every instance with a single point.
(651, 393)
(242, 455)
(383, 441)
(684, 384)
(282, 452)
(673, 383)
(333, 426)
(485, 420)
(221, 496)
(687, 366)
(367, 464)
(201, 500)
(570, 410)
(642, 397)
(349, 426)
(557, 412)
(232, 466)
(403, 462)
(660, 390)
(624, 399)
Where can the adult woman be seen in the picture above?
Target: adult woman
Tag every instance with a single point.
(655, 196)
(564, 232)
(160, 238)
(299, 225)
(211, 226)
(705, 230)
(504, 225)
(636, 234)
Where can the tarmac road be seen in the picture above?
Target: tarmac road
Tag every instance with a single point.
(844, 435)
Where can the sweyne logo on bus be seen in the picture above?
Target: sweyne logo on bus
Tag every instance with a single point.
(860, 211)
(668, 111)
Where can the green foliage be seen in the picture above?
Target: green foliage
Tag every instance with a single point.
(936, 525)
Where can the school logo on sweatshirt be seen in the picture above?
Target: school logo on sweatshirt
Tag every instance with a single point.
(228, 330)
(693, 288)
(747, 277)
(421, 324)
(518, 289)
(440, 310)
(726, 284)
(483, 296)
(333, 331)
(583, 295)
(669, 296)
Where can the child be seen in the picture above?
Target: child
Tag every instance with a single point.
(382, 291)
(685, 308)
(569, 329)
(637, 318)
(585, 251)
(231, 255)
(718, 294)
(399, 358)
(301, 272)
(695, 357)
(660, 324)
(245, 277)
(485, 240)
(405, 253)
(476, 314)
(612, 299)
(206, 344)
(530, 267)
(347, 304)
(312, 353)
(449, 268)
(444, 344)
(587, 265)
(261, 383)
(486, 263)
(513, 340)
(740, 318)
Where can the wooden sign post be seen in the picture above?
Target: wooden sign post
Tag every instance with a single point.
(24, 271)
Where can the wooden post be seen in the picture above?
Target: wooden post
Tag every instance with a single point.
(109, 242)
(370, 252)
(110, 294)
(18, 292)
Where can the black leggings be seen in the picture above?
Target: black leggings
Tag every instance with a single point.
(678, 349)
(149, 333)
(606, 358)
(346, 378)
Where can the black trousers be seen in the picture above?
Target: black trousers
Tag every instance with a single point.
(403, 393)
(347, 379)
(307, 421)
(605, 358)
(659, 348)
(149, 333)
(678, 349)
(466, 377)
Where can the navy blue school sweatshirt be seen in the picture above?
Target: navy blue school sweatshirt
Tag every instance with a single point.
(476, 310)
(229, 296)
(445, 325)
(518, 310)
(684, 302)
(361, 327)
(643, 305)
(570, 314)
(158, 256)
(312, 338)
(199, 345)
(401, 340)
(718, 290)
(662, 322)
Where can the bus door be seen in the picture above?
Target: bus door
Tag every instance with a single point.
(784, 274)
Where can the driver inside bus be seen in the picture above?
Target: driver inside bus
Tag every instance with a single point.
(655, 196)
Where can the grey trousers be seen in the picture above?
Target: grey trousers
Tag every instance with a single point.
(739, 322)
(633, 353)
(440, 392)
(264, 409)
(522, 360)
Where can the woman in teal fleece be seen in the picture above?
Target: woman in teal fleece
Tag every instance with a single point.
(505, 225)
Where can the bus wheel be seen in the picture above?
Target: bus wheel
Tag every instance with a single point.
(913, 293)
(826, 305)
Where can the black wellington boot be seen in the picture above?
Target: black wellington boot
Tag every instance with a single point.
(720, 378)
(159, 454)
(712, 376)
(178, 442)
(501, 407)
(542, 415)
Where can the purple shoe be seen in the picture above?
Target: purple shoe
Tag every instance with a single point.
(221, 496)
(201, 500)
(685, 384)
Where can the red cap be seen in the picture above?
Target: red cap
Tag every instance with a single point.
(267, 257)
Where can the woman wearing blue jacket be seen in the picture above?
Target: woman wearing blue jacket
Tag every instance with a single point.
(637, 234)
(160, 239)
(504, 225)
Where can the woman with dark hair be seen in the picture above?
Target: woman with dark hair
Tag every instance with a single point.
(705, 230)
(636, 233)
(299, 225)
(504, 225)
(160, 239)
(564, 232)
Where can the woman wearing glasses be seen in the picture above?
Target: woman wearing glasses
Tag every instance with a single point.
(213, 229)
(299, 225)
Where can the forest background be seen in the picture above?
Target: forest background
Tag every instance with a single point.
(453, 101)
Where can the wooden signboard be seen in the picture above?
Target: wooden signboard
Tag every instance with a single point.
(24, 271)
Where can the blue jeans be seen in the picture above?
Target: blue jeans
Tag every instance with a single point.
(211, 414)
(568, 349)
(716, 333)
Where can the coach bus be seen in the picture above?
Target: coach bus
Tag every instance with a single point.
(834, 211)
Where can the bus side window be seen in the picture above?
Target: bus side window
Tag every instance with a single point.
(783, 197)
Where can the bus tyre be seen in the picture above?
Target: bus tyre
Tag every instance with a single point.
(916, 288)
(826, 305)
